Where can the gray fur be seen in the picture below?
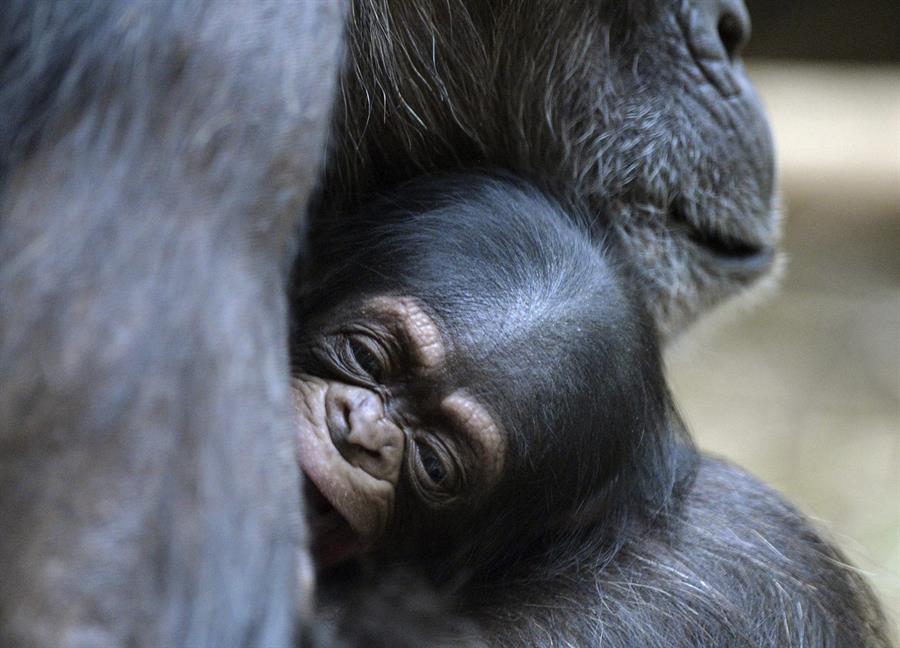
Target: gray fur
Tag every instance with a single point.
(156, 159)
(601, 103)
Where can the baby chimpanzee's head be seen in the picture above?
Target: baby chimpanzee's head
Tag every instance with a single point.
(473, 372)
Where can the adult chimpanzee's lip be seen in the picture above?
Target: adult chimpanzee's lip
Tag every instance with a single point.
(747, 263)
(732, 255)
(333, 540)
(728, 253)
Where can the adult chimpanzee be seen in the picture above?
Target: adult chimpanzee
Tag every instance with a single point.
(155, 156)
(482, 398)
(641, 110)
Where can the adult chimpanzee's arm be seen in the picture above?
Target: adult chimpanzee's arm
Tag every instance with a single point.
(154, 159)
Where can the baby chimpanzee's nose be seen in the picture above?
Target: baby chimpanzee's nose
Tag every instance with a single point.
(361, 431)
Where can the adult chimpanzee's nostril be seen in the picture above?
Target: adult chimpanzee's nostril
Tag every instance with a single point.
(716, 32)
(734, 30)
(731, 22)
(716, 29)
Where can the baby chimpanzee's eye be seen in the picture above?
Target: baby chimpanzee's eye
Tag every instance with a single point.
(432, 465)
(364, 357)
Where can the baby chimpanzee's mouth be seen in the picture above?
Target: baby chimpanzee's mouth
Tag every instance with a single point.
(332, 538)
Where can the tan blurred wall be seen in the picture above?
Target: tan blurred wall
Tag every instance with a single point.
(804, 391)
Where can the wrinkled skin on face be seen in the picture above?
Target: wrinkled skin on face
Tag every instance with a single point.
(375, 412)
(639, 112)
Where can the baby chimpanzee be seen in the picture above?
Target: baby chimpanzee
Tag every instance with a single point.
(480, 396)
(474, 374)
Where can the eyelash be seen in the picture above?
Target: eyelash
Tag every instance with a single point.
(430, 461)
(449, 486)
(357, 358)
(365, 360)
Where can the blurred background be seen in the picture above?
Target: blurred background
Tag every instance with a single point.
(804, 389)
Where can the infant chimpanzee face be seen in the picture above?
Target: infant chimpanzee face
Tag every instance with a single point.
(376, 407)
(472, 373)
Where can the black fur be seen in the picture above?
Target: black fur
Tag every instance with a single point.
(733, 566)
(607, 528)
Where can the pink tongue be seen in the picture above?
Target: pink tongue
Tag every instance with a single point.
(333, 540)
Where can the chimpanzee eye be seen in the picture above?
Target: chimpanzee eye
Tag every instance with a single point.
(364, 357)
(432, 465)
(437, 476)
